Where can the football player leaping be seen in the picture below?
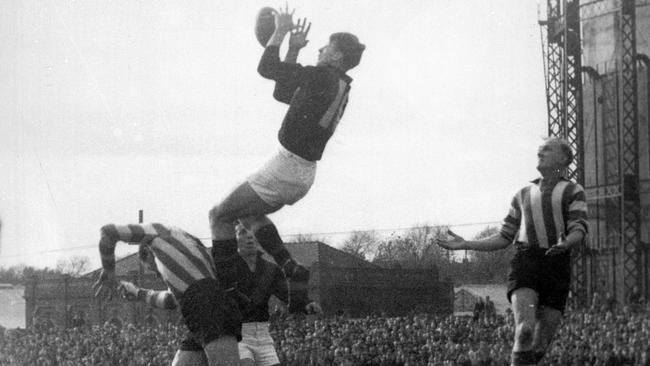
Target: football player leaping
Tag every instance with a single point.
(317, 97)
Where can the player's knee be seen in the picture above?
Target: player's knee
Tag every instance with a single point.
(524, 335)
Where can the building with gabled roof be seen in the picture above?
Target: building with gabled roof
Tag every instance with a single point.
(340, 282)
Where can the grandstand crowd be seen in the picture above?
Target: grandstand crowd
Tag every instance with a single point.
(603, 336)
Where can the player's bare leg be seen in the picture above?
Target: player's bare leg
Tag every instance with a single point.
(242, 202)
(190, 358)
(222, 351)
(548, 321)
(245, 204)
(524, 304)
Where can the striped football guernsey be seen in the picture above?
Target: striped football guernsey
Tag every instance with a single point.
(537, 217)
(180, 258)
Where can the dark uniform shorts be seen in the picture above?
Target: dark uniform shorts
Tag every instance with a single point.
(549, 276)
(208, 313)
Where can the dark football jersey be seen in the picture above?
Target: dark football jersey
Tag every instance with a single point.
(319, 95)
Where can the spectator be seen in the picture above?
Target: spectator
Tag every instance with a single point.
(78, 320)
(490, 310)
(610, 302)
(595, 301)
(635, 299)
(479, 309)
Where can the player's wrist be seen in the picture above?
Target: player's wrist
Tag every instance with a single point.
(282, 32)
(276, 39)
(140, 294)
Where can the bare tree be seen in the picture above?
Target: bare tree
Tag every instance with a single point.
(415, 249)
(361, 244)
(73, 266)
(490, 266)
(304, 238)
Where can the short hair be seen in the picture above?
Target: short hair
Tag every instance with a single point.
(564, 146)
(348, 44)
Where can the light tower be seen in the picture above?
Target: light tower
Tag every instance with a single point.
(594, 76)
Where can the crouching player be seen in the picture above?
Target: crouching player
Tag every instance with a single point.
(187, 269)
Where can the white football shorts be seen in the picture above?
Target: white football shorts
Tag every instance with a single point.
(284, 179)
(257, 344)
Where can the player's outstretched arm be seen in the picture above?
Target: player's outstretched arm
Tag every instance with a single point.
(285, 87)
(298, 40)
(106, 285)
(456, 242)
(132, 234)
(270, 66)
(157, 299)
(283, 25)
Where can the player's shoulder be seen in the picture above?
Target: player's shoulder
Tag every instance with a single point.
(576, 188)
(568, 184)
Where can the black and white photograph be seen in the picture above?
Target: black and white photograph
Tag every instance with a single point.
(325, 183)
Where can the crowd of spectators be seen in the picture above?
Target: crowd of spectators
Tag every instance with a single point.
(105, 345)
(590, 337)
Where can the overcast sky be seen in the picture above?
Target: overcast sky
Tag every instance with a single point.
(109, 107)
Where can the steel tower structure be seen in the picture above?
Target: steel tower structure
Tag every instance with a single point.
(615, 258)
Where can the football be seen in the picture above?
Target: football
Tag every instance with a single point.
(264, 25)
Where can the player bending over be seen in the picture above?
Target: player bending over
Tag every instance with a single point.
(256, 280)
(187, 269)
(317, 97)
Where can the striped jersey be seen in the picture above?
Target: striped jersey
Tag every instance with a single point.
(181, 259)
(538, 216)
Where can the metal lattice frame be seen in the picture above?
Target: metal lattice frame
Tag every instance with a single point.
(644, 189)
(564, 102)
(609, 195)
(631, 220)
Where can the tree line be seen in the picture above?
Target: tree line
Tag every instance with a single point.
(74, 266)
(416, 249)
(413, 249)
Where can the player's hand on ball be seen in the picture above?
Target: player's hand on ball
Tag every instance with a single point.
(128, 290)
(298, 37)
(106, 285)
(455, 243)
(313, 308)
(284, 20)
